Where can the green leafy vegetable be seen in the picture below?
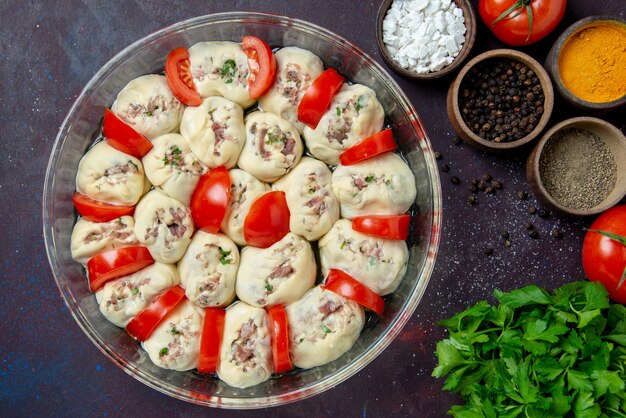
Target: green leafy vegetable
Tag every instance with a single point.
(228, 71)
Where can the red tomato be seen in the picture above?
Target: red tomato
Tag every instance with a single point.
(268, 220)
(261, 63)
(345, 285)
(384, 226)
(604, 258)
(279, 330)
(211, 339)
(371, 146)
(178, 75)
(146, 321)
(521, 22)
(210, 198)
(318, 96)
(123, 137)
(116, 263)
(97, 211)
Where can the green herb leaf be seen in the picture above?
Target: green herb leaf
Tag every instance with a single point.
(529, 295)
(268, 286)
(134, 290)
(361, 101)
(228, 71)
(326, 329)
(369, 179)
(338, 111)
(163, 352)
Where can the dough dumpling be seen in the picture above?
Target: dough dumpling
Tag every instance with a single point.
(221, 69)
(353, 115)
(164, 226)
(110, 176)
(322, 327)
(383, 185)
(122, 299)
(148, 105)
(296, 69)
(279, 274)
(171, 165)
(272, 146)
(378, 263)
(312, 203)
(214, 131)
(92, 238)
(175, 343)
(208, 269)
(245, 353)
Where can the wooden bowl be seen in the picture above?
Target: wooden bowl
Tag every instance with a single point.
(466, 134)
(615, 141)
(470, 37)
(552, 65)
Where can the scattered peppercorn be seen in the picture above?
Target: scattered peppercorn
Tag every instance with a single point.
(533, 234)
(544, 214)
(507, 243)
(482, 186)
(530, 227)
(488, 251)
(456, 140)
(438, 155)
(557, 234)
(496, 184)
(532, 210)
(489, 189)
(487, 177)
(471, 200)
(455, 180)
(475, 182)
(505, 235)
(522, 195)
(473, 188)
(445, 168)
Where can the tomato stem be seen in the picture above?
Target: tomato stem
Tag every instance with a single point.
(619, 238)
(518, 7)
(621, 281)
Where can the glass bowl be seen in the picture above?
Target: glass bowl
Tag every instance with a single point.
(81, 127)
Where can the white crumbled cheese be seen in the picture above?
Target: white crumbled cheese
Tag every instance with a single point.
(424, 35)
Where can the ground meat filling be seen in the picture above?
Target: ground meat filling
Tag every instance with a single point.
(361, 181)
(284, 270)
(229, 72)
(116, 230)
(181, 161)
(154, 106)
(373, 251)
(126, 290)
(176, 228)
(210, 257)
(181, 335)
(290, 86)
(340, 125)
(238, 197)
(118, 174)
(272, 139)
(243, 348)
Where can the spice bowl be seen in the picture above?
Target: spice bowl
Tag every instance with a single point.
(507, 100)
(469, 37)
(590, 77)
(578, 166)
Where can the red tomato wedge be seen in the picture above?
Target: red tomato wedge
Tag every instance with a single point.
(261, 64)
(116, 263)
(384, 226)
(211, 339)
(123, 137)
(97, 211)
(318, 96)
(142, 325)
(267, 221)
(279, 330)
(345, 285)
(371, 146)
(210, 199)
(178, 75)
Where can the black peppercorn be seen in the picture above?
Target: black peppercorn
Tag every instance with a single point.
(487, 177)
(544, 214)
(473, 189)
(445, 168)
(471, 200)
(533, 234)
(507, 243)
(482, 185)
(505, 235)
(456, 140)
(497, 184)
(438, 155)
(488, 251)
(455, 180)
(557, 234)
(530, 227)
(532, 210)
(522, 195)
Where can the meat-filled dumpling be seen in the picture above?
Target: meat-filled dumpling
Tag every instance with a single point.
(322, 327)
(208, 269)
(296, 69)
(214, 131)
(92, 238)
(244, 190)
(312, 203)
(272, 146)
(220, 69)
(175, 343)
(354, 114)
(148, 105)
(378, 263)
(123, 298)
(171, 165)
(245, 353)
(279, 274)
(383, 185)
(110, 176)
(163, 225)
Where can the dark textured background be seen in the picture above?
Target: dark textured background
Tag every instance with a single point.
(50, 49)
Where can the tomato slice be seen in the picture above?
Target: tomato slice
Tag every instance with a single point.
(97, 211)
(345, 285)
(279, 330)
(123, 137)
(268, 220)
(318, 96)
(261, 64)
(178, 75)
(211, 339)
(116, 263)
(142, 325)
(384, 226)
(210, 199)
(371, 146)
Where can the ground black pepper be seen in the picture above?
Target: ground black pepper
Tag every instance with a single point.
(445, 168)
(522, 195)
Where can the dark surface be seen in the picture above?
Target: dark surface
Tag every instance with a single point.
(50, 49)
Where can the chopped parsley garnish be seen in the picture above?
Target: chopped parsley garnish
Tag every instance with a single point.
(301, 339)
(174, 331)
(229, 69)
(268, 286)
(369, 179)
(360, 102)
(273, 138)
(174, 156)
(163, 352)
(311, 191)
(134, 290)
(372, 260)
(338, 110)
(176, 151)
(224, 258)
(326, 329)
(343, 244)
(388, 184)
(148, 113)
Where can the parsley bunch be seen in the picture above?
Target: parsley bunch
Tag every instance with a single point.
(538, 355)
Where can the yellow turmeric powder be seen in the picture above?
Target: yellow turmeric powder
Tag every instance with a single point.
(592, 63)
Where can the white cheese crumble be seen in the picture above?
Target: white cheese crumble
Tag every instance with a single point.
(424, 35)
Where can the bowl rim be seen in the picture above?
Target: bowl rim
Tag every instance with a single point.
(431, 241)
(544, 80)
(466, 49)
